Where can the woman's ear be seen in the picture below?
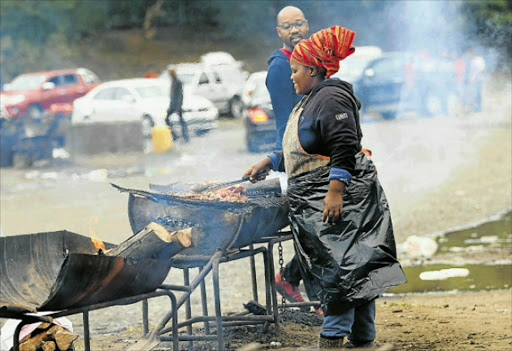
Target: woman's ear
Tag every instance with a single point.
(313, 71)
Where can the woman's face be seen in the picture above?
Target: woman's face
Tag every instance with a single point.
(301, 77)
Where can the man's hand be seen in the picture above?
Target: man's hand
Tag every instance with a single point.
(263, 166)
(333, 202)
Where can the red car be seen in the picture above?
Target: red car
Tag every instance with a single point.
(29, 94)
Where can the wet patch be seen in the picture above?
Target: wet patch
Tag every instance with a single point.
(445, 277)
(490, 234)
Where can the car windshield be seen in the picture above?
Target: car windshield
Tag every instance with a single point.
(186, 78)
(261, 93)
(152, 91)
(27, 82)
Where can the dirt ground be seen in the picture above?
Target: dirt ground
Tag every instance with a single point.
(455, 321)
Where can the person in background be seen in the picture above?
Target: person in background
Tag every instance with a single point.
(176, 105)
(474, 80)
(339, 215)
(292, 27)
(151, 74)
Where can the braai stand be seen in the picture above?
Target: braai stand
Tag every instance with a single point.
(206, 264)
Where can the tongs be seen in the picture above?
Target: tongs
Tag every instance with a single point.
(200, 188)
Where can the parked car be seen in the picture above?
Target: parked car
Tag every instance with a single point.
(218, 58)
(145, 100)
(250, 85)
(29, 94)
(221, 84)
(259, 120)
(402, 82)
(352, 67)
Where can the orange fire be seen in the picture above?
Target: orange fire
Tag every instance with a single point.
(98, 244)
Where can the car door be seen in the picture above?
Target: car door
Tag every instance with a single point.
(101, 106)
(68, 87)
(381, 83)
(126, 108)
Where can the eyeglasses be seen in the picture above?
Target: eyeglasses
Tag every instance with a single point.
(287, 26)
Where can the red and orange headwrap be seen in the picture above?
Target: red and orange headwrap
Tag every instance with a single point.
(325, 49)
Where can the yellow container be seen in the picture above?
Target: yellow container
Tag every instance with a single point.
(161, 138)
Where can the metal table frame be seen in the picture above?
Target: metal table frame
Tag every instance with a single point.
(206, 265)
(27, 318)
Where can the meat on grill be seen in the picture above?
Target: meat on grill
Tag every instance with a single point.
(234, 193)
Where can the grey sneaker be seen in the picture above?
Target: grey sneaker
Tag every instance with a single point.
(330, 343)
(350, 344)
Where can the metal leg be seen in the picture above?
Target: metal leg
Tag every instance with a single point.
(204, 303)
(218, 313)
(270, 254)
(87, 343)
(253, 276)
(188, 307)
(145, 313)
(175, 339)
(16, 340)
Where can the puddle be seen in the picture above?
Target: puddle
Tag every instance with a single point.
(443, 276)
(479, 277)
(497, 233)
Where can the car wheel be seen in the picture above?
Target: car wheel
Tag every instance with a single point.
(236, 107)
(389, 115)
(147, 125)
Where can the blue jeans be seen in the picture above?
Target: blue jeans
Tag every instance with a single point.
(358, 324)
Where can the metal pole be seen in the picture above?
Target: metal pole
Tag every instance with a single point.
(204, 302)
(253, 276)
(270, 253)
(145, 321)
(87, 343)
(188, 307)
(218, 313)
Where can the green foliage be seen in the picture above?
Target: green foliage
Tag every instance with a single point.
(491, 21)
(28, 28)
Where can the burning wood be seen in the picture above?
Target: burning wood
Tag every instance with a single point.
(154, 241)
(48, 337)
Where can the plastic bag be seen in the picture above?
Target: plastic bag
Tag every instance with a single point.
(353, 261)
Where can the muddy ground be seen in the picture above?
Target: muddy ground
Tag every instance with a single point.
(438, 173)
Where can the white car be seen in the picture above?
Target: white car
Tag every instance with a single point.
(252, 82)
(142, 99)
(352, 67)
(222, 84)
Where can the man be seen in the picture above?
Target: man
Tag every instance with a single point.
(176, 105)
(292, 27)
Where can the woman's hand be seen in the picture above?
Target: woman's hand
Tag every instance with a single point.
(263, 166)
(333, 202)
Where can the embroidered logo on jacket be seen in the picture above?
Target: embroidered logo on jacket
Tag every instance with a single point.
(341, 116)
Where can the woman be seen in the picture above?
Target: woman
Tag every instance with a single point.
(339, 215)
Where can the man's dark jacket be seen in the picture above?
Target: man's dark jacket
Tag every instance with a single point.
(282, 92)
(176, 95)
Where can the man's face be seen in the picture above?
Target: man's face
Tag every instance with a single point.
(292, 27)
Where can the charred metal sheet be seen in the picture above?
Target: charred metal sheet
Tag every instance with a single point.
(62, 270)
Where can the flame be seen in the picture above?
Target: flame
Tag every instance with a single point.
(98, 244)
